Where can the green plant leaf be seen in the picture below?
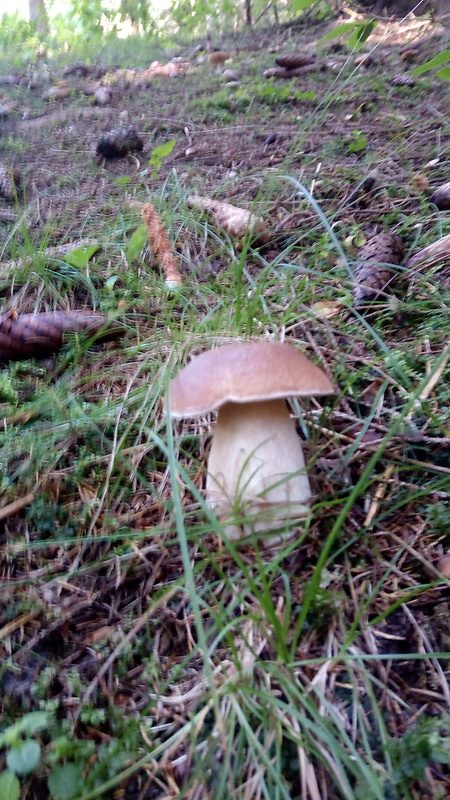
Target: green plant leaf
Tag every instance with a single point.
(65, 782)
(163, 150)
(339, 30)
(81, 255)
(9, 785)
(443, 73)
(301, 5)
(441, 58)
(360, 31)
(159, 153)
(361, 34)
(28, 725)
(136, 243)
(24, 758)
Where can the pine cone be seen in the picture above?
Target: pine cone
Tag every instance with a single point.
(118, 142)
(372, 276)
(441, 197)
(294, 60)
(9, 181)
(403, 80)
(40, 335)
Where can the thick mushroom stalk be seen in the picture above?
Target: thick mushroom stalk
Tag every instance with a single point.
(256, 469)
(256, 478)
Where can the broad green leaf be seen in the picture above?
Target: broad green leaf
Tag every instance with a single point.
(109, 284)
(65, 782)
(443, 73)
(9, 785)
(346, 27)
(124, 179)
(441, 58)
(24, 758)
(162, 151)
(81, 255)
(360, 34)
(301, 5)
(136, 243)
(28, 725)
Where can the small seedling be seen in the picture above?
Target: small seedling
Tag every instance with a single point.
(158, 155)
(357, 142)
(23, 752)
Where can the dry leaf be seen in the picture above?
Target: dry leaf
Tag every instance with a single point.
(326, 308)
(236, 221)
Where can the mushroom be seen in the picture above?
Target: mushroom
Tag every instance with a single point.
(217, 59)
(256, 470)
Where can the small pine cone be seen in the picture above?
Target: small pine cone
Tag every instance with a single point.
(403, 80)
(40, 335)
(372, 276)
(118, 142)
(441, 197)
(294, 60)
(9, 181)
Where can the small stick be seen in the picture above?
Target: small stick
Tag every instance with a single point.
(17, 505)
(159, 241)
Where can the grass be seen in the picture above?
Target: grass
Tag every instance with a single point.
(171, 661)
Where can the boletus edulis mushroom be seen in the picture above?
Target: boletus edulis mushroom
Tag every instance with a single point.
(256, 479)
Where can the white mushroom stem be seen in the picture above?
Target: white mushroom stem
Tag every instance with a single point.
(256, 468)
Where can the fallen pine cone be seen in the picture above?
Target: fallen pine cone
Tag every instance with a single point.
(40, 335)
(283, 72)
(9, 181)
(403, 80)
(373, 270)
(294, 60)
(118, 142)
(441, 197)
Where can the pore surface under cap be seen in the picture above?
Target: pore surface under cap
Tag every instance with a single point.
(244, 372)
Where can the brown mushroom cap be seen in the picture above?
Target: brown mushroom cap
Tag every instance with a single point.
(218, 57)
(245, 372)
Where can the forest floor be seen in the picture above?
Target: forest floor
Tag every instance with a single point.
(164, 660)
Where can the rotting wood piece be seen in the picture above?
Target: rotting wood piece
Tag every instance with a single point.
(42, 334)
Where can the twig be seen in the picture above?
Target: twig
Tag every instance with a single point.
(17, 505)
